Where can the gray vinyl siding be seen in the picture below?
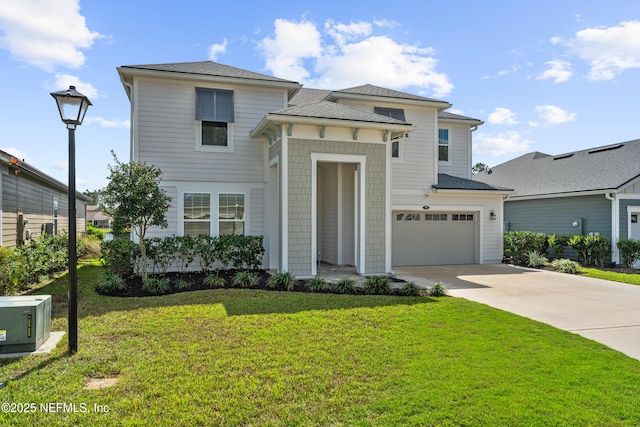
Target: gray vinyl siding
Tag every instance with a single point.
(172, 216)
(459, 147)
(256, 204)
(623, 216)
(34, 200)
(556, 215)
(415, 168)
(300, 193)
(166, 132)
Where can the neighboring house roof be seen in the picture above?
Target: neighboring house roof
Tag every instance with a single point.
(607, 168)
(208, 70)
(19, 165)
(449, 182)
(95, 214)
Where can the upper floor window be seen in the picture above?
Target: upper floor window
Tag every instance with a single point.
(395, 113)
(443, 145)
(214, 119)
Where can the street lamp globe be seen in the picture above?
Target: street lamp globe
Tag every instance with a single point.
(72, 106)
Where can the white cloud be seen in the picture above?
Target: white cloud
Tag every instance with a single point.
(45, 33)
(610, 50)
(554, 115)
(347, 55)
(216, 49)
(108, 123)
(63, 81)
(502, 116)
(60, 165)
(559, 71)
(503, 143)
(555, 40)
(18, 154)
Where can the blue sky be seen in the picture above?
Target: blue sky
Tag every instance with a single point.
(550, 76)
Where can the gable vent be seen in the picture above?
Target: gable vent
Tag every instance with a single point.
(607, 148)
(563, 156)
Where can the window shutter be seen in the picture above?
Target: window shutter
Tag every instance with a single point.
(214, 105)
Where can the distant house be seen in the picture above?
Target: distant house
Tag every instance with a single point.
(364, 176)
(593, 191)
(97, 218)
(33, 203)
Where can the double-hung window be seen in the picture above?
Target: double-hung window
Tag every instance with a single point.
(443, 145)
(231, 214)
(197, 214)
(214, 119)
(394, 113)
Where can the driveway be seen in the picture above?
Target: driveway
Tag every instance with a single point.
(603, 311)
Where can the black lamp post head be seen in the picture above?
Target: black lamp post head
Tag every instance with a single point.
(72, 106)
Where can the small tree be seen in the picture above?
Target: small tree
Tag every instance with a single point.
(135, 200)
(479, 167)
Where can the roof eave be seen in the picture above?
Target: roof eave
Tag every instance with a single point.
(440, 105)
(124, 71)
(471, 190)
(470, 122)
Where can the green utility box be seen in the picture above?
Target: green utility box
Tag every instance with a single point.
(25, 323)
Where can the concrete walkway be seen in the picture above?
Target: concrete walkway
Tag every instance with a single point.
(604, 311)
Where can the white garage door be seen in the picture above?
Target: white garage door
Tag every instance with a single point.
(434, 238)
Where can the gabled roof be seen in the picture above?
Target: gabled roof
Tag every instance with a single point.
(602, 169)
(206, 70)
(449, 182)
(445, 116)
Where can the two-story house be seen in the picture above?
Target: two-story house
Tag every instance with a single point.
(365, 176)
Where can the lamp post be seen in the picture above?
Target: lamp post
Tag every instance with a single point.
(72, 106)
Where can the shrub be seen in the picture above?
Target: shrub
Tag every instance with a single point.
(90, 247)
(182, 285)
(95, 232)
(109, 283)
(184, 253)
(119, 256)
(558, 243)
(564, 265)
(592, 249)
(411, 289)
(344, 286)
(535, 259)
(245, 279)
(214, 281)
(630, 251)
(377, 285)
(155, 285)
(283, 281)
(204, 247)
(437, 290)
(9, 271)
(518, 243)
(317, 284)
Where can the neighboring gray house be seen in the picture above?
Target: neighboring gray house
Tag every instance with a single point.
(33, 203)
(588, 191)
(364, 176)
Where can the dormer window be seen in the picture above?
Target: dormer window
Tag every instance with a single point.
(394, 113)
(214, 119)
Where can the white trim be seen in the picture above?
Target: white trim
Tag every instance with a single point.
(449, 145)
(339, 213)
(272, 208)
(360, 224)
(247, 210)
(387, 209)
(284, 200)
(229, 148)
(630, 211)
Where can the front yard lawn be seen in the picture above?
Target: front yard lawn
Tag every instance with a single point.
(252, 357)
(632, 278)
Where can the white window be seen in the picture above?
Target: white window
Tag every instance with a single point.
(197, 214)
(231, 214)
(55, 216)
(443, 145)
(394, 113)
(214, 120)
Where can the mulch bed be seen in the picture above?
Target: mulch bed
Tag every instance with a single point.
(196, 282)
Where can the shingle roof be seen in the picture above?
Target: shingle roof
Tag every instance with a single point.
(448, 182)
(307, 96)
(451, 116)
(208, 68)
(605, 168)
(332, 110)
(371, 90)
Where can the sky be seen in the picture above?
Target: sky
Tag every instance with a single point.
(544, 75)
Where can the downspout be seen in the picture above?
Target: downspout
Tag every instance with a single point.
(131, 139)
(615, 228)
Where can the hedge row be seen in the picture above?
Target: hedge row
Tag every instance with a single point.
(121, 256)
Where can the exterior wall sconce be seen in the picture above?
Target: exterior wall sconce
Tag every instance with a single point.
(492, 215)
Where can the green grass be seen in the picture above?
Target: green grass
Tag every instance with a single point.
(632, 279)
(251, 357)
